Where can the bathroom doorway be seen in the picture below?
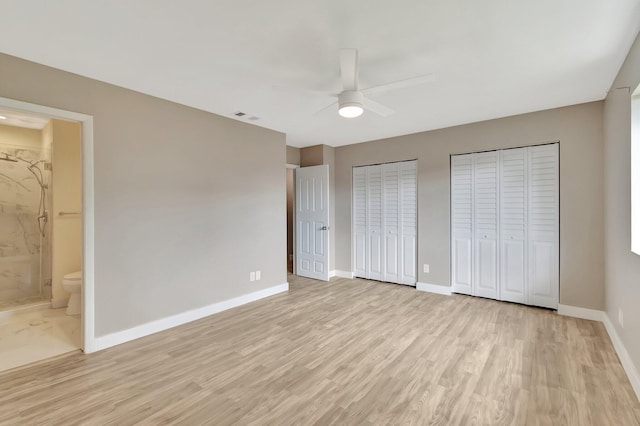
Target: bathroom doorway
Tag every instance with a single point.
(46, 232)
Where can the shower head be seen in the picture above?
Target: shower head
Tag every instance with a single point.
(6, 158)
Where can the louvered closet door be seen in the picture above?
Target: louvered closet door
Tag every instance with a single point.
(408, 208)
(391, 215)
(543, 229)
(385, 221)
(485, 203)
(360, 222)
(513, 224)
(461, 222)
(374, 223)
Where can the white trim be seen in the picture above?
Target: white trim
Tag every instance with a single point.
(103, 342)
(60, 302)
(623, 355)
(621, 350)
(583, 313)
(88, 238)
(340, 274)
(434, 288)
(292, 166)
(88, 326)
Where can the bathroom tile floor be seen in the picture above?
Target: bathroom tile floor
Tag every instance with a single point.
(33, 336)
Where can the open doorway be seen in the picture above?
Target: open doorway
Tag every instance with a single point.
(59, 161)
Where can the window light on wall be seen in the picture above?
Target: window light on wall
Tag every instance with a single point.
(635, 171)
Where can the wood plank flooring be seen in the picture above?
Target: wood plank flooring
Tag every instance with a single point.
(344, 352)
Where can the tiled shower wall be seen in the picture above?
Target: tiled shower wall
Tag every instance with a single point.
(25, 257)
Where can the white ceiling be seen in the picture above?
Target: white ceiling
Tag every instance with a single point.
(490, 59)
(21, 119)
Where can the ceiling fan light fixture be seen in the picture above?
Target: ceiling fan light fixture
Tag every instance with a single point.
(351, 110)
(350, 104)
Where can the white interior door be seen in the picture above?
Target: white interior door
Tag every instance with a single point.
(461, 223)
(359, 226)
(543, 229)
(391, 214)
(312, 222)
(374, 223)
(384, 222)
(485, 205)
(505, 232)
(513, 225)
(408, 208)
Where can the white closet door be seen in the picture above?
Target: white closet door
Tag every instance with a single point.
(543, 229)
(374, 223)
(360, 222)
(461, 222)
(485, 203)
(513, 224)
(408, 220)
(391, 214)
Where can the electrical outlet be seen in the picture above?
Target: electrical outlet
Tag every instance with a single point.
(257, 275)
(620, 318)
(425, 268)
(252, 276)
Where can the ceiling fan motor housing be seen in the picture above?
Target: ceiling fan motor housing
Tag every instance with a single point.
(350, 98)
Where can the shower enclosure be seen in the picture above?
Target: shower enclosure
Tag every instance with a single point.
(25, 249)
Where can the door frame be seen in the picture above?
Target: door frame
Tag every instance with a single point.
(88, 210)
(293, 215)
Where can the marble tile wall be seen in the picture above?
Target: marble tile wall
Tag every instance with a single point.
(21, 242)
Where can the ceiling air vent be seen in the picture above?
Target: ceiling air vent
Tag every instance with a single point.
(245, 116)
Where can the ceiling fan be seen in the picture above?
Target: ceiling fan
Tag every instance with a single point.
(352, 101)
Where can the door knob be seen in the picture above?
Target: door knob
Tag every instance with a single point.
(324, 228)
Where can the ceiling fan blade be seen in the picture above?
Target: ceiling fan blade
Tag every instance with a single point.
(379, 109)
(349, 69)
(332, 104)
(401, 84)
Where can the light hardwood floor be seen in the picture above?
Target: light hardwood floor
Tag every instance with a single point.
(344, 352)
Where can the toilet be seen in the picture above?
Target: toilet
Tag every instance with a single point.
(73, 284)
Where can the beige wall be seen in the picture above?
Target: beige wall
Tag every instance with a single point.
(579, 130)
(622, 266)
(311, 156)
(293, 155)
(66, 190)
(20, 137)
(173, 231)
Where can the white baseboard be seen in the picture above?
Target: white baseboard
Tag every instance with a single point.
(332, 274)
(59, 303)
(621, 350)
(343, 274)
(583, 313)
(103, 342)
(434, 288)
(625, 358)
